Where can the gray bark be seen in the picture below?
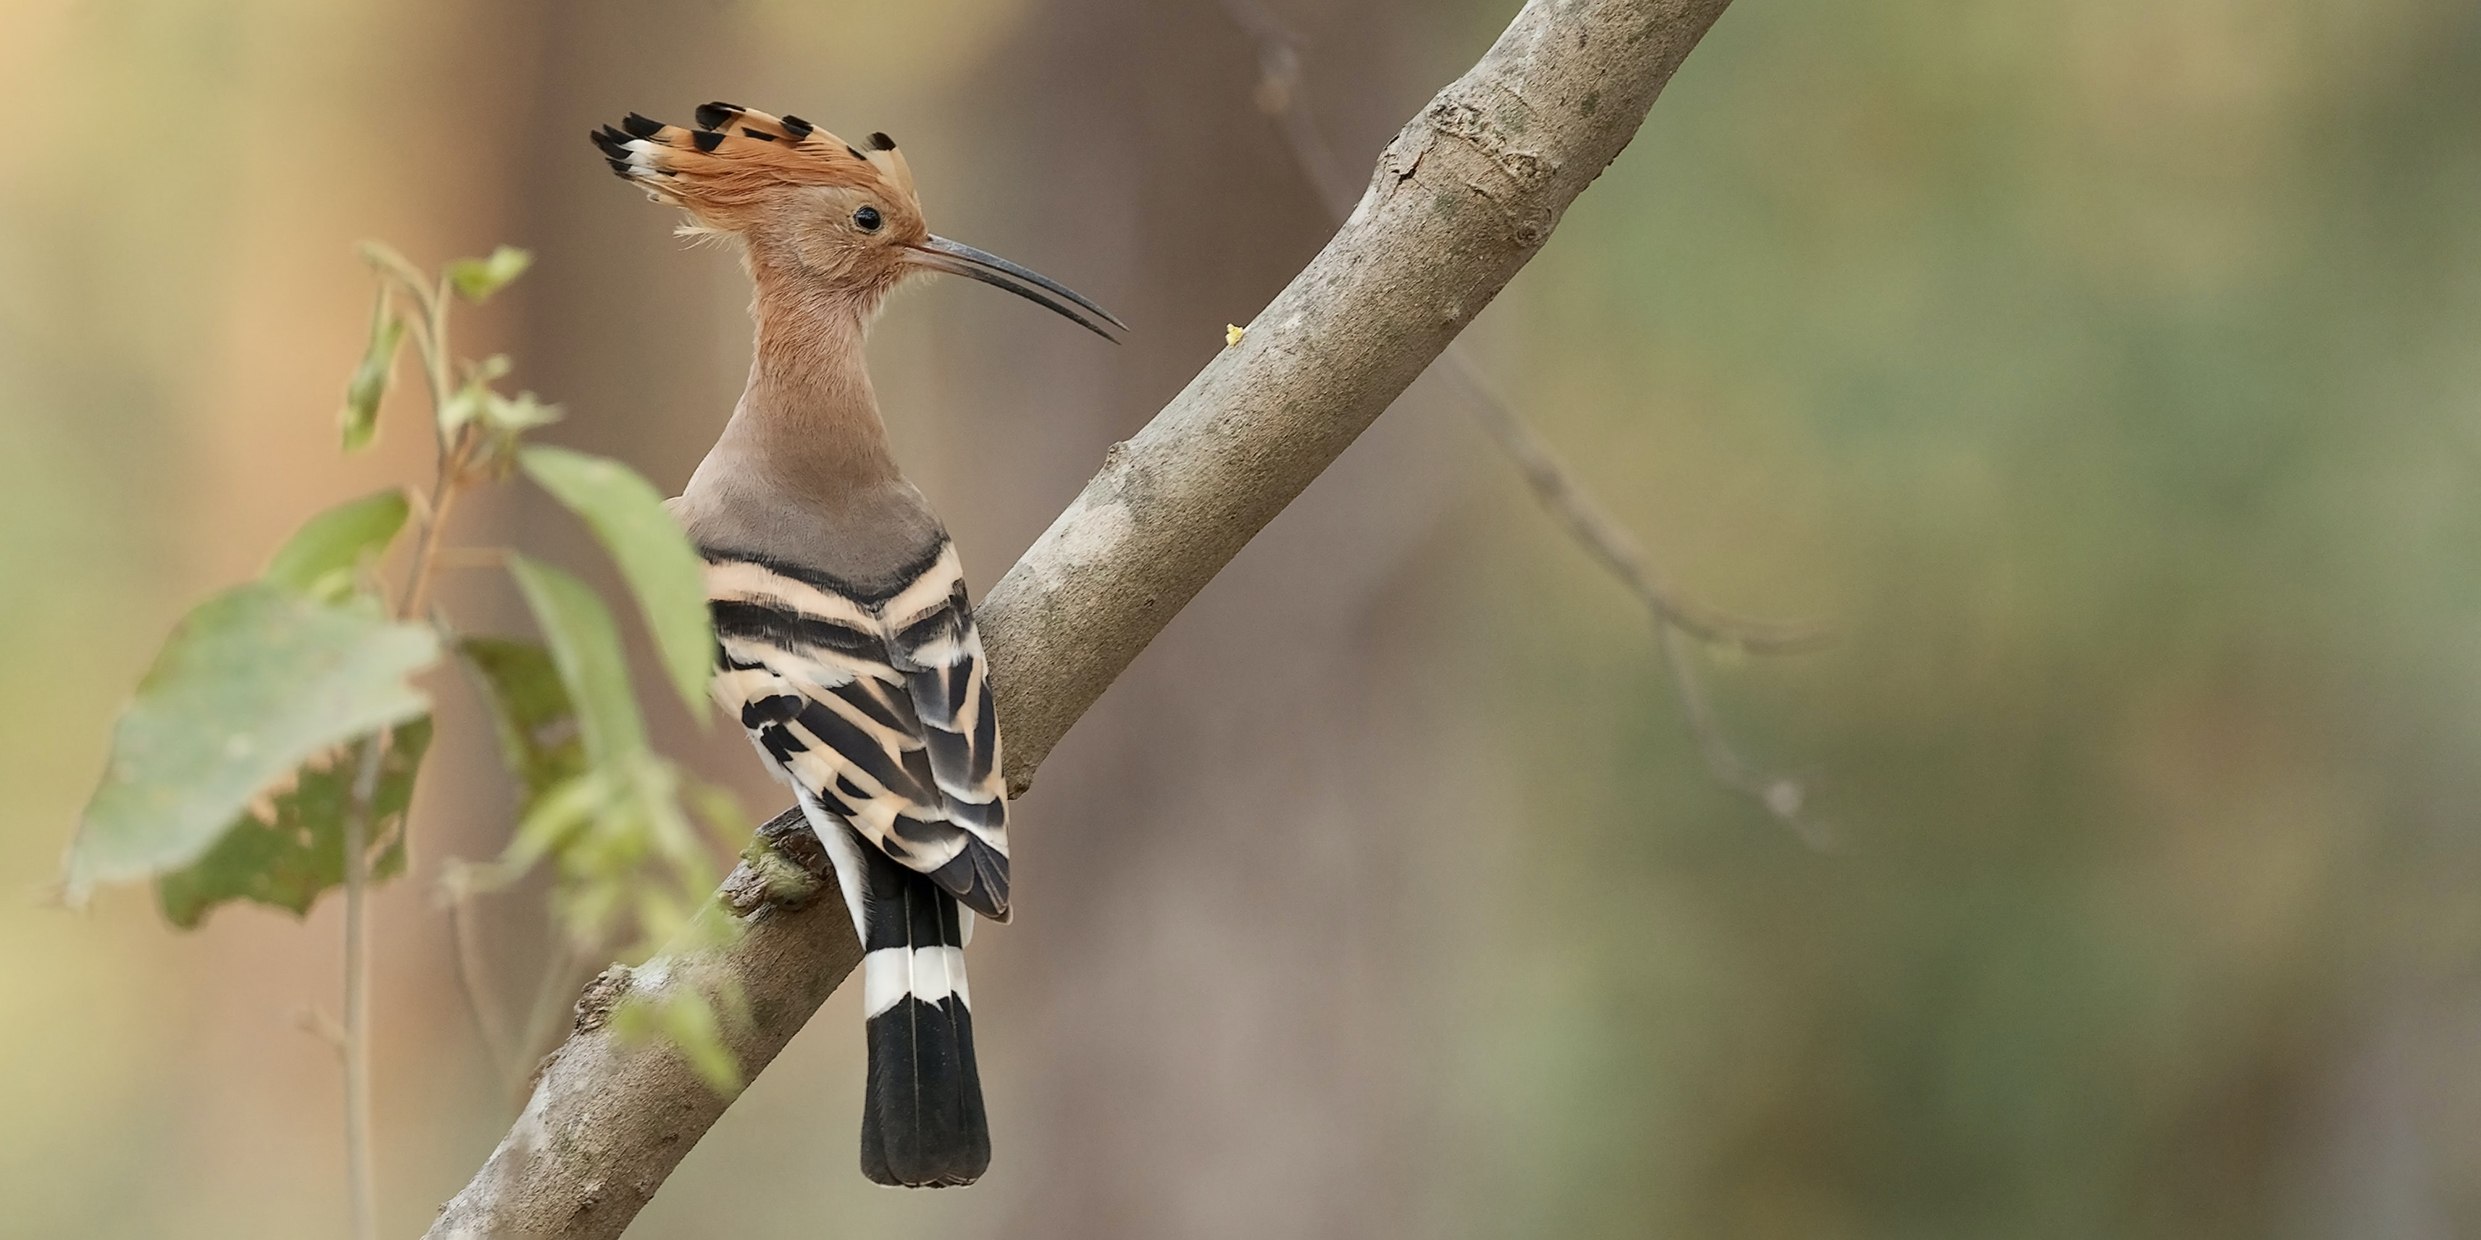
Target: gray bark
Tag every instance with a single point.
(1461, 199)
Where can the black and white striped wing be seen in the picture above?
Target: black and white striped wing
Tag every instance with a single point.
(876, 709)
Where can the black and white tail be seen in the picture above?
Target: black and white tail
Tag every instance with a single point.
(873, 703)
(922, 1123)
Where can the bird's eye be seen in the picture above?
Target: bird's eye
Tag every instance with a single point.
(866, 219)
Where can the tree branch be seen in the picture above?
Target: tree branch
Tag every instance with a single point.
(1461, 199)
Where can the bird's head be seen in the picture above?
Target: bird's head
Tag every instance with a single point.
(840, 216)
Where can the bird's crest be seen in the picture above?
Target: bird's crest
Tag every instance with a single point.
(737, 162)
(811, 206)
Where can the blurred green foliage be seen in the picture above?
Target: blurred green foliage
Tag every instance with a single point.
(628, 518)
(327, 558)
(291, 849)
(272, 695)
(257, 682)
(537, 725)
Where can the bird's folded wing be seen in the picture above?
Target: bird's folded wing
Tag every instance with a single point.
(878, 708)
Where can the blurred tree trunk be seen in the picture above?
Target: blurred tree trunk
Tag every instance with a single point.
(1219, 866)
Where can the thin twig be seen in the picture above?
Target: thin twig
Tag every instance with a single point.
(1678, 616)
(434, 518)
(1558, 489)
(360, 1167)
(457, 895)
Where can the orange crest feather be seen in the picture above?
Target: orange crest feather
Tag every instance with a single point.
(737, 161)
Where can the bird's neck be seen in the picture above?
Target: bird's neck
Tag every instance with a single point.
(809, 418)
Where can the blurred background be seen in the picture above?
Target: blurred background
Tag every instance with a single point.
(2106, 372)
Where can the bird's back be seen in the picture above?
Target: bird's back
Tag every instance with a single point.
(848, 648)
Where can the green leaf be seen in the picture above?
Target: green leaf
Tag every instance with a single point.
(476, 279)
(325, 557)
(663, 570)
(291, 846)
(358, 422)
(585, 647)
(537, 724)
(255, 683)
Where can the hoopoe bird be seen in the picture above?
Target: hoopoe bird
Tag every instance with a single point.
(845, 641)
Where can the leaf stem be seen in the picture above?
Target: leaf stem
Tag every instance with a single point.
(438, 358)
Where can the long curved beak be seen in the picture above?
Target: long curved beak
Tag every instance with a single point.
(958, 259)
